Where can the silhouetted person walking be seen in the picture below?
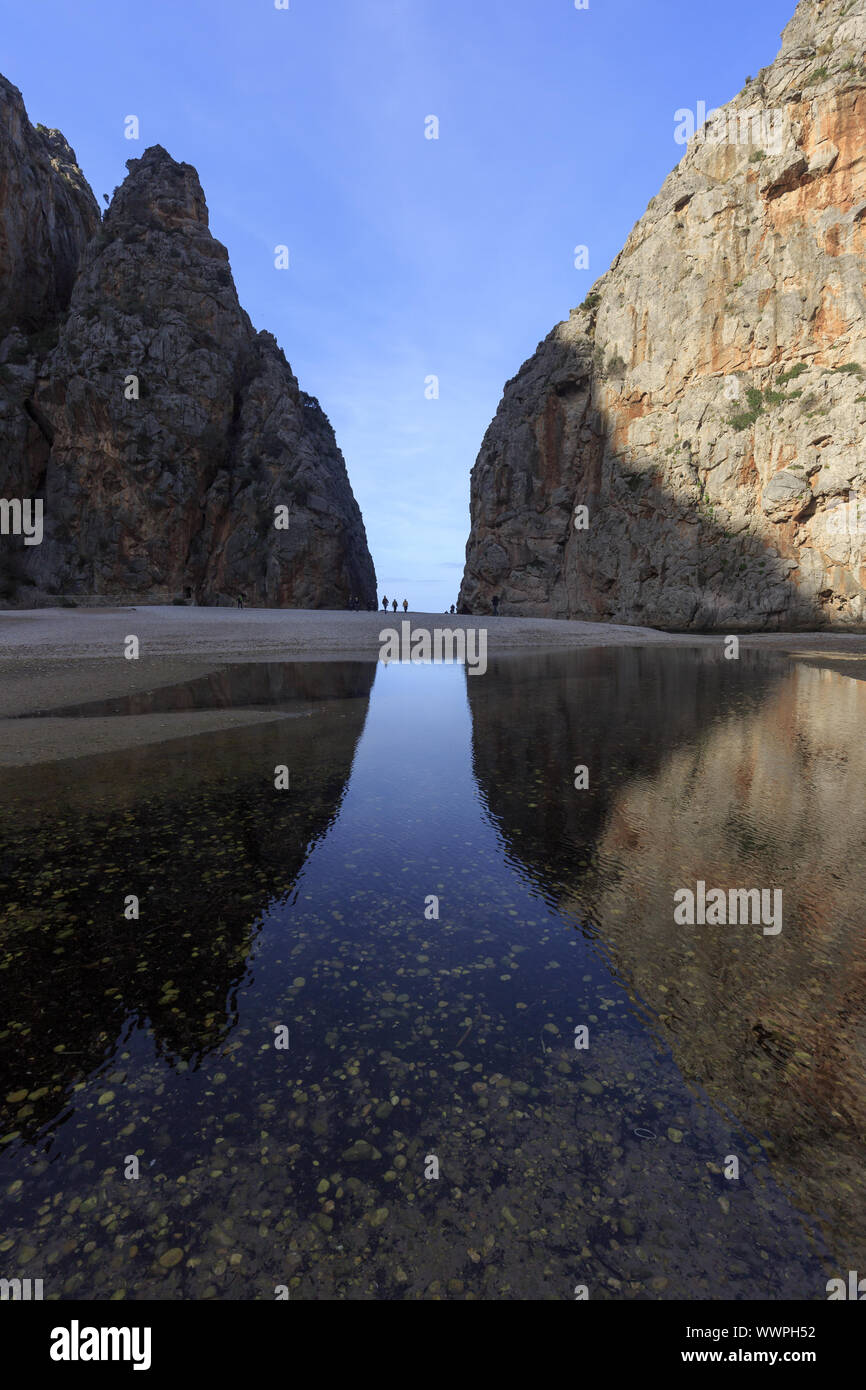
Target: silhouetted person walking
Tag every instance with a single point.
(405, 605)
(385, 603)
(395, 605)
(496, 605)
(452, 608)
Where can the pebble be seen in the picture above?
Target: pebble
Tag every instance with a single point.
(360, 1151)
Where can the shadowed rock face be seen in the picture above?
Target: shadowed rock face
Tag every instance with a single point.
(171, 492)
(47, 216)
(721, 492)
(733, 775)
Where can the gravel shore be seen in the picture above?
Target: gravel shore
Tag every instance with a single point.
(54, 657)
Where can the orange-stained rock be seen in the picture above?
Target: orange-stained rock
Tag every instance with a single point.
(664, 403)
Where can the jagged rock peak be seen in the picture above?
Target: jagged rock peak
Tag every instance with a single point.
(176, 456)
(158, 187)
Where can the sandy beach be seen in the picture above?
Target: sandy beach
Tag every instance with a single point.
(52, 658)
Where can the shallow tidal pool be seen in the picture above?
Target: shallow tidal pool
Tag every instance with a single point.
(435, 919)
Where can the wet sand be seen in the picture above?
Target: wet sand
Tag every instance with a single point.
(51, 658)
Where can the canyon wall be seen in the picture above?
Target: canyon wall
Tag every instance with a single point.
(137, 400)
(706, 403)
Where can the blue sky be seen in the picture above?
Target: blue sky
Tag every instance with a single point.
(409, 257)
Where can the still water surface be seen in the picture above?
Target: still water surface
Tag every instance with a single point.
(413, 1038)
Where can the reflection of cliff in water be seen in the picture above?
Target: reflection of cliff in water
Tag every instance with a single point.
(197, 831)
(742, 775)
(616, 710)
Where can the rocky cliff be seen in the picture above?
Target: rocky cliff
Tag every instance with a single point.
(47, 216)
(706, 403)
(176, 456)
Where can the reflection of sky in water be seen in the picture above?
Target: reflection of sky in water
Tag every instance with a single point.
(414, 1037)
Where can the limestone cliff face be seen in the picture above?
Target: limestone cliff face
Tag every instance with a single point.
(707, 402)
(47, 216)
(161, 430)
